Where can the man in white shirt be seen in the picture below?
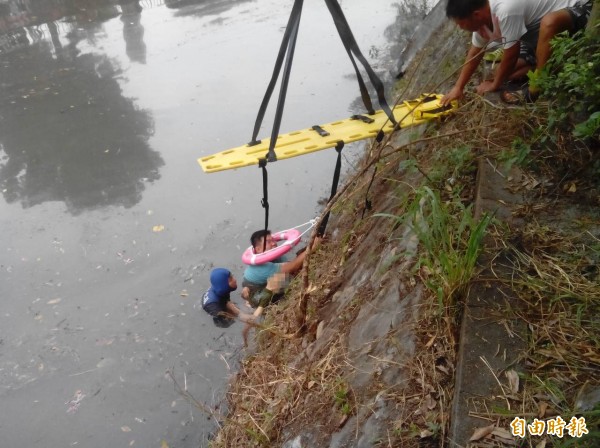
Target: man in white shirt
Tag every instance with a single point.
(523, 28)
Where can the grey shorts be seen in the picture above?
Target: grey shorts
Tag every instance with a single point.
(580, 13)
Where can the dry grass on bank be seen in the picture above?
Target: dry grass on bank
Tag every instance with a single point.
(281, 389)
(275, 392)
(555, 277)
(277, 387)
(554, 260)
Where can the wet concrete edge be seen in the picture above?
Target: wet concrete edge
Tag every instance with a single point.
(484, 331)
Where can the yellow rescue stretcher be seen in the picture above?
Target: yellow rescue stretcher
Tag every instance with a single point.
(357, 127)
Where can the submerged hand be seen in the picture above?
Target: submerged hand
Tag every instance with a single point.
(245, 333)
(250, 321)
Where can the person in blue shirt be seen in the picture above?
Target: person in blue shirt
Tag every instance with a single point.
(217, 301)
(265, 283)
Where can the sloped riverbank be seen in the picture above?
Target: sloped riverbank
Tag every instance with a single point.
(429, 315)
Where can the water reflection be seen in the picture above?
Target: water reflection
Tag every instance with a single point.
(398, 35)
(29, 17)
(133, 31)
(66, 131)
(202, 7)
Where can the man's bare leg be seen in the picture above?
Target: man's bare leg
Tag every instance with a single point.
(551, 24)
(521, 70)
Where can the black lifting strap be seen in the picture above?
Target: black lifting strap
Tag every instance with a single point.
(368, 204)
(288, 44)
(352, 47)
(262, 163)
(334, 185)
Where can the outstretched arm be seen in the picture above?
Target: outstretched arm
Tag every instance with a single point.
(474, 57)
(233, 309)
(291, 267)
(505, 69)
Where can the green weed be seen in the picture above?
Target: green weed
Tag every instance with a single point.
(518, 154)
(450, 238)
(341, 397)
(571, 82)
(452, 164)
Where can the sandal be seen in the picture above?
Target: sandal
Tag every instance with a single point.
(519, 97)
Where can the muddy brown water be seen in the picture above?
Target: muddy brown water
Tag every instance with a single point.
(109, 227)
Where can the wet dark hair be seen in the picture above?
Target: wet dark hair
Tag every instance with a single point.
(258, 235)
(461, 9)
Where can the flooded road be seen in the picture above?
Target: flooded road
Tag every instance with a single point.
(109, 227)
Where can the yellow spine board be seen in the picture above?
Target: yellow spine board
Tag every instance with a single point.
(297, 143)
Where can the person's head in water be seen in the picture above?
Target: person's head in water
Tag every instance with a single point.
(258, 241)
(222, 281)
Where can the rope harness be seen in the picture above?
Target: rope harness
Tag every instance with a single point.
(286, 53)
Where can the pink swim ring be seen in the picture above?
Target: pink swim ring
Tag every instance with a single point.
(289, 237)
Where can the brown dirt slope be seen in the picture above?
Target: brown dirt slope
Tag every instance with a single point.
(374, 363)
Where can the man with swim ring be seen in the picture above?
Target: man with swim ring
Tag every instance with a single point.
(265, 283)
(276, 272)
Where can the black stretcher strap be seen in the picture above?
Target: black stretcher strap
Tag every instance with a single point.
(262, 163)
(288, 44)
(334, 185)
(352, 47)
(287, 69)
(362, 118)
(287, 47)
(286, 51)
(319, 130)
(368, 204)
(437, 110)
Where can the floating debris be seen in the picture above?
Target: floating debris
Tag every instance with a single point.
(75, 402)
(121, 255)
